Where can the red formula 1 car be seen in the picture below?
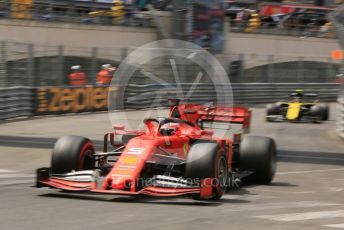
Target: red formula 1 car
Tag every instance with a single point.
(174, 156)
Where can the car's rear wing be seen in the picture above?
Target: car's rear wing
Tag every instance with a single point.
(236, 115)
(201, 113)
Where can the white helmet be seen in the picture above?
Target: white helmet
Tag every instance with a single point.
(106, 66)
(75, 67)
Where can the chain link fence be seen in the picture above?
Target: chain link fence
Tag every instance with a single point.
(24, 64)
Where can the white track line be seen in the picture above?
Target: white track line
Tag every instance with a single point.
(310, 171)
(335, 189)
(335, 225)
(14, 182)
(280, 191)
(6, 171)
(304, 216)
(17, 175)
(281, 205)
(245, 197)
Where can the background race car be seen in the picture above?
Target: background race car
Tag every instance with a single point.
(301, 107)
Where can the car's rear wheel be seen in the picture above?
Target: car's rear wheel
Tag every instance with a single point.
(320, 112)
(258, 154)
(324, 111)
(207, 160)
(72, 153)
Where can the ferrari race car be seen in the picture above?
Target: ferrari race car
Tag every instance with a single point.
(301, 107)
(172, 156)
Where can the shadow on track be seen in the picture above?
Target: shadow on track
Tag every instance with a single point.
(154, 200)
(323, 158)
(133, 200)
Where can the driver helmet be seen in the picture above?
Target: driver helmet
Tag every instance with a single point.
(106, 66)
(298, 94)
(169, 129)
(75, 67)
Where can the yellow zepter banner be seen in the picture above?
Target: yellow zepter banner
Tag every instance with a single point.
(21, 9)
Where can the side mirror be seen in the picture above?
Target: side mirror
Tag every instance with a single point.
(118, 127)
(174, 102)
(208, 132)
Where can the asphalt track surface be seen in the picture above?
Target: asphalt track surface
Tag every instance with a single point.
(307, 193)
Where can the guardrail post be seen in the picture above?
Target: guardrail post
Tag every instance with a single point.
(94, 65)
(300, 70)
(3, 65)
(60, 74)
(30, 66)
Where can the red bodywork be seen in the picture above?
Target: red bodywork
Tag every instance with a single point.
(147, 145)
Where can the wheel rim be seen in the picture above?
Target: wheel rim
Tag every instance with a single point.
(86, 158)
(222, 173)
(87, 162)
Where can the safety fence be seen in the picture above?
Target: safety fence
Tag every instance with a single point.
(340, 117)
(34, 101)
(26, 64)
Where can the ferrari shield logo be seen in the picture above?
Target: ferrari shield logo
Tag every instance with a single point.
(186, 148)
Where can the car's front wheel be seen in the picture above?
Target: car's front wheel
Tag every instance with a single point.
(272, 109)
(207, 160)
(72, 153)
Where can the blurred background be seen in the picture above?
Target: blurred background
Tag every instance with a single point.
(268, 48)
(255, 41)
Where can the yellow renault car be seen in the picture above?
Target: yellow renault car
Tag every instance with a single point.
(301, 107)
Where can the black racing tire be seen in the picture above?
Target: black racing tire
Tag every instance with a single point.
(272, 109)
(207, 160)
(325, 112)
(259, 155)
(72, 153)
(319, 112)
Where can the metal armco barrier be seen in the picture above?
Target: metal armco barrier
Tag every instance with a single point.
(16, 102)
(25, 101)
(138, 96)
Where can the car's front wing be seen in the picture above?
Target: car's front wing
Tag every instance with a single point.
(81, 183)
(281, 118)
